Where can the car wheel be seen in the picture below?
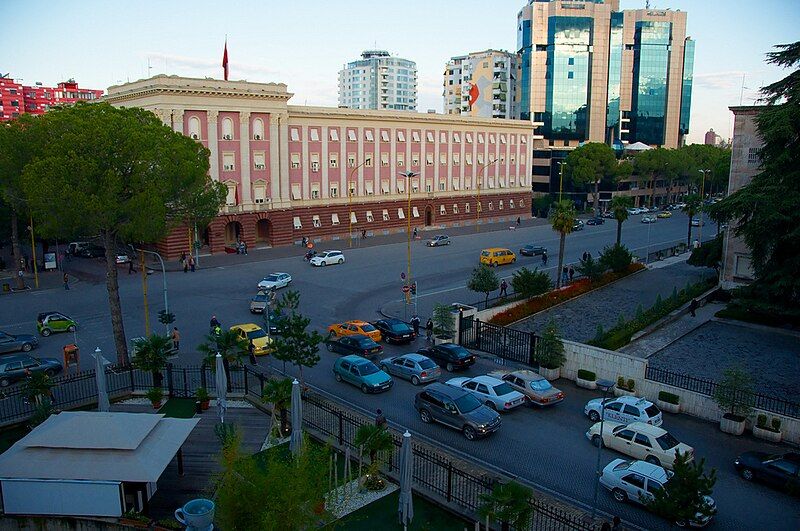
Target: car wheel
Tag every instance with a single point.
(469, 433)
(364, 388)
(71, 328)
(449, 367)
(341, 261)
(26, 347)
(338, 377)
(747, 474)
(46, 332)
(619, 495)
(494, 264)
(425, 416)
(594, 416)
(323, 264)
(50, 372)
(653, 460)
(491, 405)
(329, 347)
(414, 380)
(597, 441)
(513, 260)
(5, 382)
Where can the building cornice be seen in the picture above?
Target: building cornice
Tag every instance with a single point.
(184, 86)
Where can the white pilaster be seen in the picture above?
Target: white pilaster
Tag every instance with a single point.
(244, 153)
(213, 136)
(325, 191)
(285, 189)
(274, 158)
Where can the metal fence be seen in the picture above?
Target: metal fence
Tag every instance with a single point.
(708, 387)
(504, 342)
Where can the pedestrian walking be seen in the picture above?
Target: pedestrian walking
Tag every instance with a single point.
(251, 351)
(183, 258)
(429, 329)
(185, 265)
(244, 248)
(693, 307)
(415, 232)
(696, 244)
(364, 234)
(213, 324)
(304, 241)
(130, 266)
(564, 275)
(544, 258)
(415, 325)
(519, 220)
(571, 274)
(380, 420)
(191, 263)
(66, 281)
(176, 339)
(504, 288)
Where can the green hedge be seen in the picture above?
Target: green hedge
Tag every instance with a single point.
(669, 398)
(621, 334)
(583, 374)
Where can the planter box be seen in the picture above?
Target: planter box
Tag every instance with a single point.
(586, 384)
(623, 392)
(732, 426)
(767, 435)
(441, 340)
(668, 406)
(550, 374)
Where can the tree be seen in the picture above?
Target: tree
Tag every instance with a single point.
(509, 503)
(619, 207)
(709, 254)
(616, 258)
(119, 174)
(484, 280)
(590, 268)
(684, 496)
(295, 344)
(151, 355)
(228, 344)
(551, 350)
(693, 203)
(278, 392)
(734, 393)
(38, 388)
(372, 439)
(531, 283)
(659, 163)
(590, 164)
(562, 219)
(766, 212)
(444, 322)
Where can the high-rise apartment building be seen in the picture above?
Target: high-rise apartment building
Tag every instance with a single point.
(481, 84)
(16, 98)
(379, 81)
(591, 72)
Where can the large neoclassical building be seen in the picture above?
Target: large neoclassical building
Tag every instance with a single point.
(326, 173)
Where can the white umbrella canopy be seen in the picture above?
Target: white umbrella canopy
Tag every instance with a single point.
(637, 146)
(100, 377)
(222, 388)
(405, 509)
(296, 440)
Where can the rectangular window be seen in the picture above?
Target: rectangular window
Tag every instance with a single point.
(480, 138)
(334, 160)
(455, 183)
(316, 222)
(521, 203)
(370, 219)
(442, 158)
(429, 136)
(443, 137)
(401, 159)
(334, 134)
(368, 160)
(455, 208)
(414, 185)
(466, 208)
(259, 193)
(523, 139)
(385, 215)
(401, 214)
(491, 139)
(512, 160)
(370, 187)
(415, 212)
(401, 186)
(351, 160)
(334, 190)
(296, 191)
(442, 210)
(468, 159)
(428, 186)
(297, 224)
(468, 136)
(480, 158)
(384, 136)
(314, 135)
(502, 139)
(510, 203)
(230, 199)
(228, 162)
(415, 159)
(401, 136)
(754, 155)
(351, 135)
(353, 218)
(295, 134)
(352, 188)
(368, 135)
(295, 158)
(415, 136)
(456, 138)
(429, 159)
(315, 162)
(385, 186)
(384, 159)
(334, 219)
(501, 204)
(258, 161)
(442, 186)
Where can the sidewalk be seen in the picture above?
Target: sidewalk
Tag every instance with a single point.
(659, 339)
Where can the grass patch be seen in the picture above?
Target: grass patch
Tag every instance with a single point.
(11, 435)
(178, 408)
(382, 514)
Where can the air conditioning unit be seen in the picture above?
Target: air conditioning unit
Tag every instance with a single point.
(257, 137)
(194, 136)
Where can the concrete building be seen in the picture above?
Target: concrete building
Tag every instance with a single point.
(379, 81)
(488, 79)
(16, 98)
(745, 163)
(712, 138)
(329, 173)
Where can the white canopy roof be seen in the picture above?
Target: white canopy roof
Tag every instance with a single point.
(637, 146)
(99, 446)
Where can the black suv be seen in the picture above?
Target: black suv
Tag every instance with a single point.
(395, 330)
(457, 408)
(450, 356)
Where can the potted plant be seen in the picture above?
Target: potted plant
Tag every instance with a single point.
(202, 396)
(769, 432)
(135, 519)
(625, 387)
(508, 503)
(444, 324)
(278, 392)
(668, 402)
(586, 379)
(550, 353)
(734, 396)
(155, 395)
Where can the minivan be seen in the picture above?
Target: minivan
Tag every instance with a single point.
(496, 256)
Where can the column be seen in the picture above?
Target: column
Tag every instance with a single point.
(213, 136)
(283, 150)
(305, 162)
(274, 160)
(244, 154)
(177, 120)
(325, 191)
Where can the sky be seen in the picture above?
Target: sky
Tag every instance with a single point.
(304, 43)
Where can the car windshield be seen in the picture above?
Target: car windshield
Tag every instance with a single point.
(399, 327)
(427, 364)
(485, 253)
(365, 369)
(652, 411)
(502, 389)
(623, 465)
(271, 278)
(366, 343)
(541, 385)
(458, 350)
(367, 328)
(667, 441)
(467, 403)
(255, 334)
(261, 297)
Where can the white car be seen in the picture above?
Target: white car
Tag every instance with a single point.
(625, 409)
(495, 393)
(327, 257)
(275, 280)
(640, 441)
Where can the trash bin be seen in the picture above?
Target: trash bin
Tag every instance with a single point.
(6, 287)
(71, 356)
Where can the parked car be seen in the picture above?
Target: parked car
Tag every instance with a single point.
(262, 343)
(640, 441)
(75, 248)
(355, 327)
(394, 330)
(436, 241)
(495, 393)
(16, 367)
(648, 219)
(355, 344)
(122, 258)
(632, 211)
(664, 214)
(496, 256)
(697, 222)
(14, 343)
(532, 250)
(414, 367)
(625, 409)
(458, 409)
(49, 322)
(450, 356)
(534, 386)
(607, 214)
(92, 250)
(362, 373)
(274, 319)
(259, 303)
(578, 225)
(639, 481)
(327, 258)
(595, 221)
(275, 280)
(778, 471)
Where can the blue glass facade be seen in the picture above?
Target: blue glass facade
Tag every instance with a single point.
(650, 72)
(524, 50)
(616, 46)
(567, 78)
(686, 92)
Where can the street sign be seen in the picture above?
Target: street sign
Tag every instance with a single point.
(402, 276)
(406, 289)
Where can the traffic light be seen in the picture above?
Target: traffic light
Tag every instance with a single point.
(413, 288)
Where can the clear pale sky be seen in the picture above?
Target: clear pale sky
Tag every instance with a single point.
(305, 43)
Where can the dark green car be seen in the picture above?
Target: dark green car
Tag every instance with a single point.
(50, 322)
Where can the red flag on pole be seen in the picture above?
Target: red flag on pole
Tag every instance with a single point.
(225, 60)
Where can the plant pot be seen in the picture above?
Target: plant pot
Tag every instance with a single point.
(138, 524)
(618, 391)
(767, 434)
(732, 424)
(550, 374)
(586, 384)
(669, 407)
(156, 405)
(205, 404)
(438, 340)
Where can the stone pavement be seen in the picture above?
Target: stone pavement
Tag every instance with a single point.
(658, 339)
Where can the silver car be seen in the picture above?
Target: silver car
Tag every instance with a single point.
(436, 241)
(275, 280)
(495, 393)
(415, 367)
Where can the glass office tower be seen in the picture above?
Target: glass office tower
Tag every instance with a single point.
(686, 93)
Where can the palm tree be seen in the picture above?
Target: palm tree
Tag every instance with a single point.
(228, 344)
(562, 219)
(509, 503)
(278, 392)
(692, 206)
(151, 355)
(619, 207)
(38, 388)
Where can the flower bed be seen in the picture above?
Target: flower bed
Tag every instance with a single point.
(549, 299)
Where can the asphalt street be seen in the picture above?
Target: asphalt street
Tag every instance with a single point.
(546, 447)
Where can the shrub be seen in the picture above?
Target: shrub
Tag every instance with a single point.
(761, 421)
(631, 384)
(621, 381)
(531, 283)
(583, 374)
(591, 268)
(444, 322)
(776, 424)
(668, 397)
(734, 393)
(155, 395)
(201, 394)
(551, 352)
(616, 258)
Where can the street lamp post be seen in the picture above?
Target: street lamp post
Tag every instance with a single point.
(478, 206)
(144, 276)
(605, 386)
(702, 198)
(560, 179)
(408, 176)
(350, 199)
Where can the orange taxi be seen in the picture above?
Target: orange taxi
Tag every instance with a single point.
(349, 328)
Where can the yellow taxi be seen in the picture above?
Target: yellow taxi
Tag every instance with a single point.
(664, 214)
(496, 256)
(262, 343)
(349, 328)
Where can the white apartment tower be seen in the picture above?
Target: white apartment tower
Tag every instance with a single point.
(493, 73)
(379, 81)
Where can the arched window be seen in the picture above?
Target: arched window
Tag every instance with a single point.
(194, 128)
(258, 129)
(227, 129)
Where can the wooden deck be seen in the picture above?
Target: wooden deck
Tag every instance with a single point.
(201, 456)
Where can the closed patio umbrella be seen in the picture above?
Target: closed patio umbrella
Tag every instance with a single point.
(297, 419)
(100, 376)
(222, 387)
(405, 508)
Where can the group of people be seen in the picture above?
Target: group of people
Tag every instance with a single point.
(188, 263)
(415, 323)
